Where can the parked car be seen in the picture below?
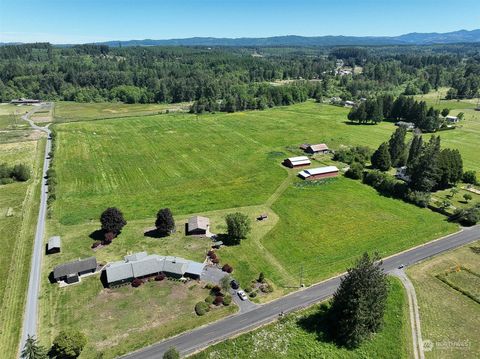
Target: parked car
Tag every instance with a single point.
(242, 295)
(234, 284)
(401, 266)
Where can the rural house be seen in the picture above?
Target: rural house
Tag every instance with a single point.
(319, 148)
(53, 245)
(304, 146)
(452, 119)
(297, 161)
(319, 173)
(198, 225)
(72, 271)
(142, 265)
(408, 125)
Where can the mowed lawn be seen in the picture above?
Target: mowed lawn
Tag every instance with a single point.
(80, 111)
(18, 215)
(449, 319)
(324, 228)
(466, 137)
(302, 335)
(190, 163)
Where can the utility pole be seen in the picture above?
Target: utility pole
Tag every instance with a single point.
(301, 276)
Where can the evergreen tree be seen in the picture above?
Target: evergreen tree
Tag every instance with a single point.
(445, 112)
(397, 146)
(33, 350)
(450, 165)
(425, 173)
(381, 158)
(359, 303)
(415, 150)
(165, 223)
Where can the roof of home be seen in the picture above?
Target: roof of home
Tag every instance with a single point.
(451, 117)
(198, 222)
(317, 171)
(54, 242)
(319, 147)
(73, 267)
(148, 265)
(195, 268)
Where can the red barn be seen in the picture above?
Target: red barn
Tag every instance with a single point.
(319, 173)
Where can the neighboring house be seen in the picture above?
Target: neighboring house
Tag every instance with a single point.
(24, 101)
(72, 271)
(349, 103)
(408, 125)
(452, 119)
(319, 148)
(298, 161)
(198, 225)
(319, 173)
(53, 245)
(142, 265)
(304, 146)
(401, 174)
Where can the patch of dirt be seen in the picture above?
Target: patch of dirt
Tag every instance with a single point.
(42, 119)
(179, 292)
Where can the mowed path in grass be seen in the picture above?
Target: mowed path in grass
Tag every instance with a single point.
(190, 163)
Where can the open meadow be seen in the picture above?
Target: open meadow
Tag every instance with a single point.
(18, 219)
(449, 318)
(84, 111)
(302, 335)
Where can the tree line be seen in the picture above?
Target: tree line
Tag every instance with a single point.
(374, 110)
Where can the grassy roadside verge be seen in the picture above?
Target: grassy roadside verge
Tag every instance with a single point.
(17, 237)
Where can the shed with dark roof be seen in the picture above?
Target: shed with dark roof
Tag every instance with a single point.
(198, 225)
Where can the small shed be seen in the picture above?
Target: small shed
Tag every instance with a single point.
(304, 146)
(198, 225)
(318, 148)
(53, 245)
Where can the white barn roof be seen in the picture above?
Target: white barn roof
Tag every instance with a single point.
(317, 171)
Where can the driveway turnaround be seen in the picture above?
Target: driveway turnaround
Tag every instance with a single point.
(197, 339)
(30, 315)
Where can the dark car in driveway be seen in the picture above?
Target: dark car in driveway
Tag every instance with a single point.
(234, 284)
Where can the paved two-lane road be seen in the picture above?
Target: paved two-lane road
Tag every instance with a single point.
(202, 337)
(30, 316)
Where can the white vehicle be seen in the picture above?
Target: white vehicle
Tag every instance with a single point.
(242, 295)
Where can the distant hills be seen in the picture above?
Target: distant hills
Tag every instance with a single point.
(461, 36)
(414, 38)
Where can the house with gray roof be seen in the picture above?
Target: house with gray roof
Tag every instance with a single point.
(198, 225)
(72, 271)
(53, 245)
(141, 265)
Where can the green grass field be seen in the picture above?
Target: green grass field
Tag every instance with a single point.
(76, 111)
(300, 335)
(18, 219)
(449, 319)
(466, 136)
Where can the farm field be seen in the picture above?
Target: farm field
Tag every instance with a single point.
(190, 163)
(449, 319)
(466, 136)
(77, 111)
(301, 335)
(18, 216)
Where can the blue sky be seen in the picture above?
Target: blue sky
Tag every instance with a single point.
(79, 21)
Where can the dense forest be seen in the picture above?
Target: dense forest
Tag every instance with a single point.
(231, 79)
